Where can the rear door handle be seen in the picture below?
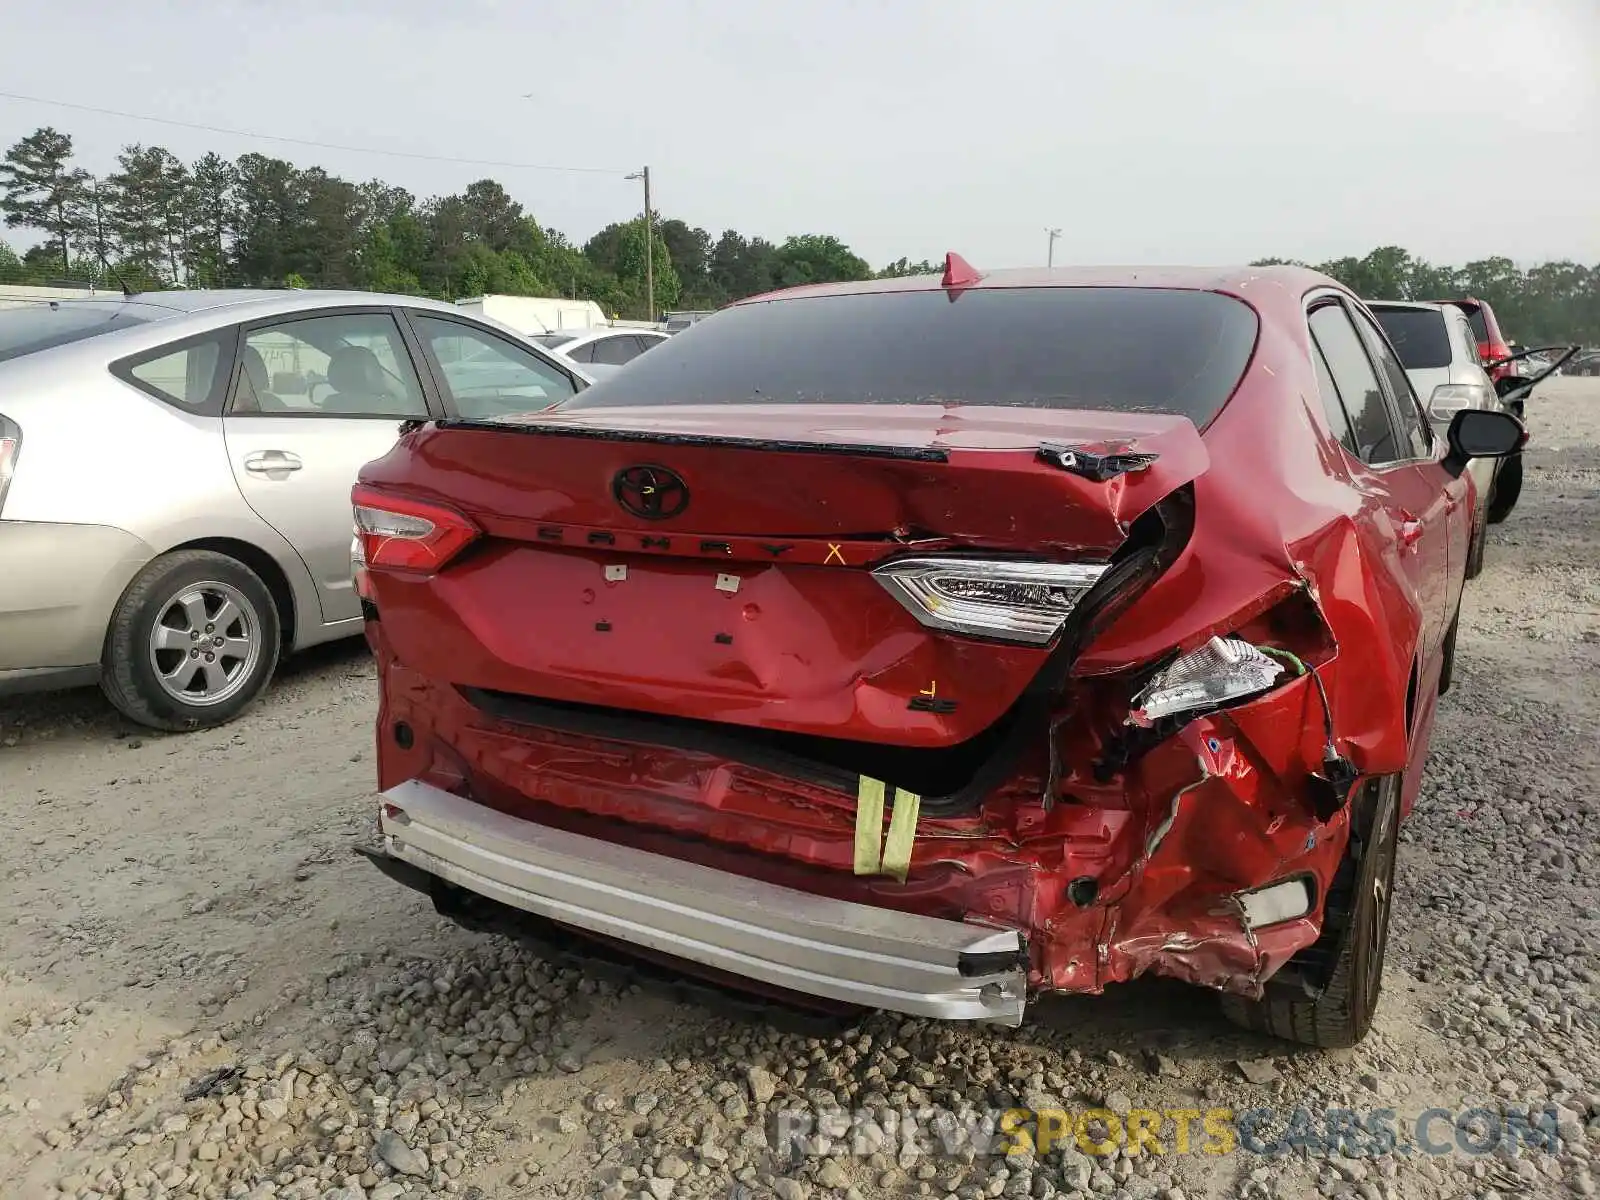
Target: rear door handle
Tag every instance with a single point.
(269, 462)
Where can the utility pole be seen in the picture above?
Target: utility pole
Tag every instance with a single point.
(649, 248)
(1050, 255)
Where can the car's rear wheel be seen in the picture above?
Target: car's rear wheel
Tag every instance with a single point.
(1479, 542)
(1348, 957)
(1507, 487)
(1447, 670)
(193, 641)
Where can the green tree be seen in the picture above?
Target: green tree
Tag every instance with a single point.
(740, 267)
(211, 218)
(901, 268)
(818, 258)
(145, 210)
(327, 246)
(492, 218)
(630, 269)
(690, 251)
(270, 230)
(40, 189)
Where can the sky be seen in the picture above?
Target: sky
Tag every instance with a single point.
(1147, 131)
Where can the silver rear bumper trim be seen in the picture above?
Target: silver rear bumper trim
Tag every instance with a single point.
(816, 945)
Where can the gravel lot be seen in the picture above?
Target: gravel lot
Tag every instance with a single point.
(203, 993)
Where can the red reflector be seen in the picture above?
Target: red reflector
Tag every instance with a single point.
(399, 533)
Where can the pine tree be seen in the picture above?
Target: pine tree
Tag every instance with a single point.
(39, 189)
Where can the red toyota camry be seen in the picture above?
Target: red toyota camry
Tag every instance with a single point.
(932, 643)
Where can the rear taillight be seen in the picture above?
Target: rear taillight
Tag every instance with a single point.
(1012, 601)
(397, 533)
(10, 450)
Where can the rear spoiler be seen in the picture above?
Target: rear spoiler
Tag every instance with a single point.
(549, 429)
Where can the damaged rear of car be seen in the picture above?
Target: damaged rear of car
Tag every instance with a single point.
(929, 644)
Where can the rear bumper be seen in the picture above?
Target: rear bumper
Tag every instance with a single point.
(816, 945)
(60, 585)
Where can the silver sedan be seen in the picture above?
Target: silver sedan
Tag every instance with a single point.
(175, 474)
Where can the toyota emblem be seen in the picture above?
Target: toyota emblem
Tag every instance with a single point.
(651, 492)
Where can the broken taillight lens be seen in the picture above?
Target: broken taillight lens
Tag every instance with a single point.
(1024, 602)
(398, 533)
(1223, 669)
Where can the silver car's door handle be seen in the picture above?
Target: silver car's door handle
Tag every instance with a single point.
(268, 462)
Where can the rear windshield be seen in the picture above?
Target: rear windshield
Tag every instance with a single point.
(1121, 349)
(551, 340)
(1420, 336)
(33, 327)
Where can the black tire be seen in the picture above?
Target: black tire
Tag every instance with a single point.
(1479, 542)
(1355, 934)
(1447, 671)
(1507, 487)
(174, 600)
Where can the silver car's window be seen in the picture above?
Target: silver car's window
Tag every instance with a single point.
(1419, 336)
(186, 377)
(488, 376)
(344, 365)
(1416, 436)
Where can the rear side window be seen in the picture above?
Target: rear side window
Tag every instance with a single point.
(1356, 382)
(1420, 336)
(1332, 406)
(1121, 349)
(1480, 327)
(186, 377)
(33, 327)
(191, 375)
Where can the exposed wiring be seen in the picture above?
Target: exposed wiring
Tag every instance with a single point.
(1301, 668)
(1293, 660)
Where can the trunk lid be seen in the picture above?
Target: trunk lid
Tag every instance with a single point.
(745, 596)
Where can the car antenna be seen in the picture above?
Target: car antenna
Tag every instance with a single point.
(117, 275)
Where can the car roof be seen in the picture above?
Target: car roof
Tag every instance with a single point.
(594, 332)
(262, 301)
(1251, 282)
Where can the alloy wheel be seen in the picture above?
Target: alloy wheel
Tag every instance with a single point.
(205, 643)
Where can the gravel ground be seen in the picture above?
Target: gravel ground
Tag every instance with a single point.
(204, 994)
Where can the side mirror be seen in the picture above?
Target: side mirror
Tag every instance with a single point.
(1482, 433)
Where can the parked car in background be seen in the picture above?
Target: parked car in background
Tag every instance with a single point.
(605, 349)
(677, 322)
(1492, 344)
(1585, 362)
(1439, 350)
(930, 643)
(175, 472)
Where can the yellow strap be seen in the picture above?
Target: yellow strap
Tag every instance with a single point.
(869, 825)
(902, 832)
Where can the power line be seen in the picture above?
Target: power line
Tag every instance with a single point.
(272, 137)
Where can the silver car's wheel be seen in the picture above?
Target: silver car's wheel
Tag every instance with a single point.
(205, 643)
(192, 642)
